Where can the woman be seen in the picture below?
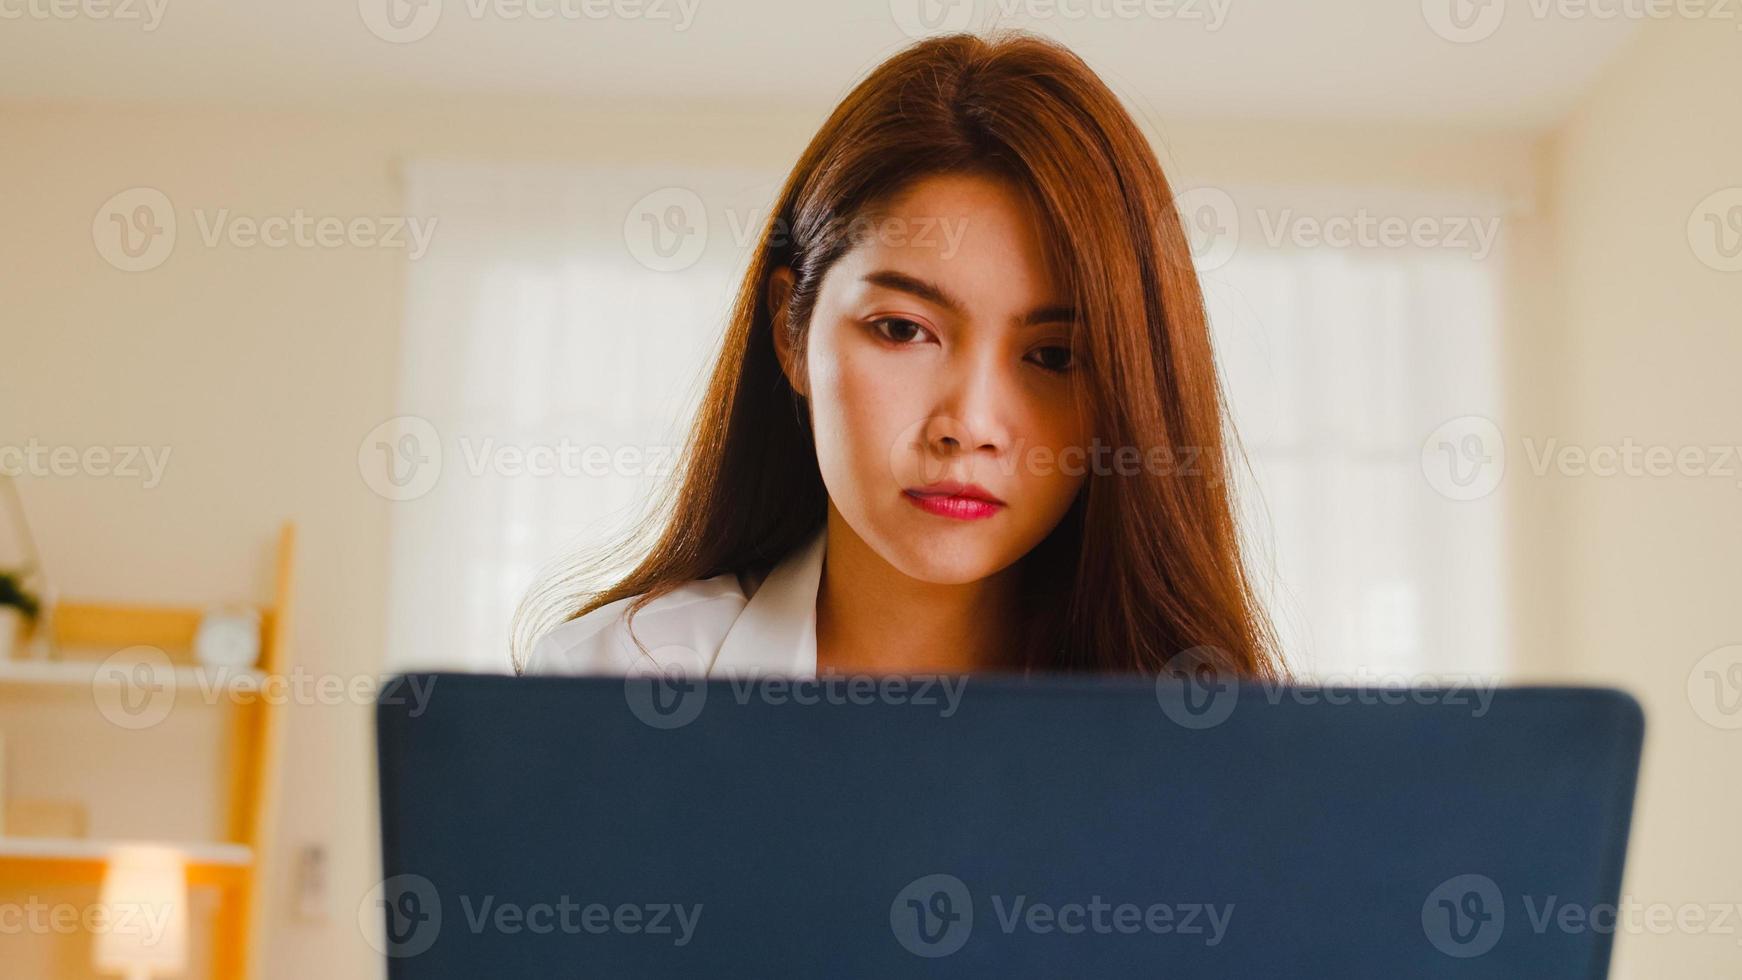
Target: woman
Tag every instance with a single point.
(966, 416)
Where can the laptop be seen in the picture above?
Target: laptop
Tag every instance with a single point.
(997, 826)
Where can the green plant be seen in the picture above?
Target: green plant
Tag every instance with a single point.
(14, 593)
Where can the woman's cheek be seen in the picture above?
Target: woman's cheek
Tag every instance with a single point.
(850, 405)
(866, 387)
(1067, 461)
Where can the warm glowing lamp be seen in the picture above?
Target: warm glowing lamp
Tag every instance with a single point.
(144, 932)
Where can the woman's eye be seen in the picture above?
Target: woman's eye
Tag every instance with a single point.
(898, 330)
(1053, 358)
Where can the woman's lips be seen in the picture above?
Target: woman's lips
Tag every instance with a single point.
(962, 502)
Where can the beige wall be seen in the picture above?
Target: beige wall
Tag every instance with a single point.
(263, 369)
(1651, 348)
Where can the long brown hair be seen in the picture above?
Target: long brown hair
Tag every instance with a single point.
(1145, 565)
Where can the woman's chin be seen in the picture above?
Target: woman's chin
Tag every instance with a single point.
(946, 559)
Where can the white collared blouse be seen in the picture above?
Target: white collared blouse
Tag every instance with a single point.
(716, 627)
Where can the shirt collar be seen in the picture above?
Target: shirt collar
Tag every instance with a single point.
(777, 631)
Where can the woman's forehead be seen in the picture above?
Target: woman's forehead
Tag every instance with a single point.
(976, 239)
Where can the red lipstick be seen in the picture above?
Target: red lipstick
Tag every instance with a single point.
(961, 501)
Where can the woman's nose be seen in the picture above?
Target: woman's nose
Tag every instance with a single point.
(951, 436)
(972, 411)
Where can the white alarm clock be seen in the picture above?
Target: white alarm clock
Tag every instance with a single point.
(229, 636)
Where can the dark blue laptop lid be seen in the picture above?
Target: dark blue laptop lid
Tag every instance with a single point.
(998, 826)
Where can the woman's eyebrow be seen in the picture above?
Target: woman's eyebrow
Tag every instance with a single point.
(931, 292)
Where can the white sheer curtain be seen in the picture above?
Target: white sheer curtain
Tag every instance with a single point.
(556, 348)
(545, 311)
(1339, 364)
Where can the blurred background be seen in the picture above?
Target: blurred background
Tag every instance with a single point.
(324, 326)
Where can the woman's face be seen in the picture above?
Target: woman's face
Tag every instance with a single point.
(939, 355)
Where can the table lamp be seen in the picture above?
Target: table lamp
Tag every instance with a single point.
(145, 905)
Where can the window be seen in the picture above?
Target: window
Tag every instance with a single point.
(556, 337)
(1339, 362)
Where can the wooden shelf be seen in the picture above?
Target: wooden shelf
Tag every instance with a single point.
(77, 861)
(111, 626)
(201, 853)
(89, 673)
(87, 633)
